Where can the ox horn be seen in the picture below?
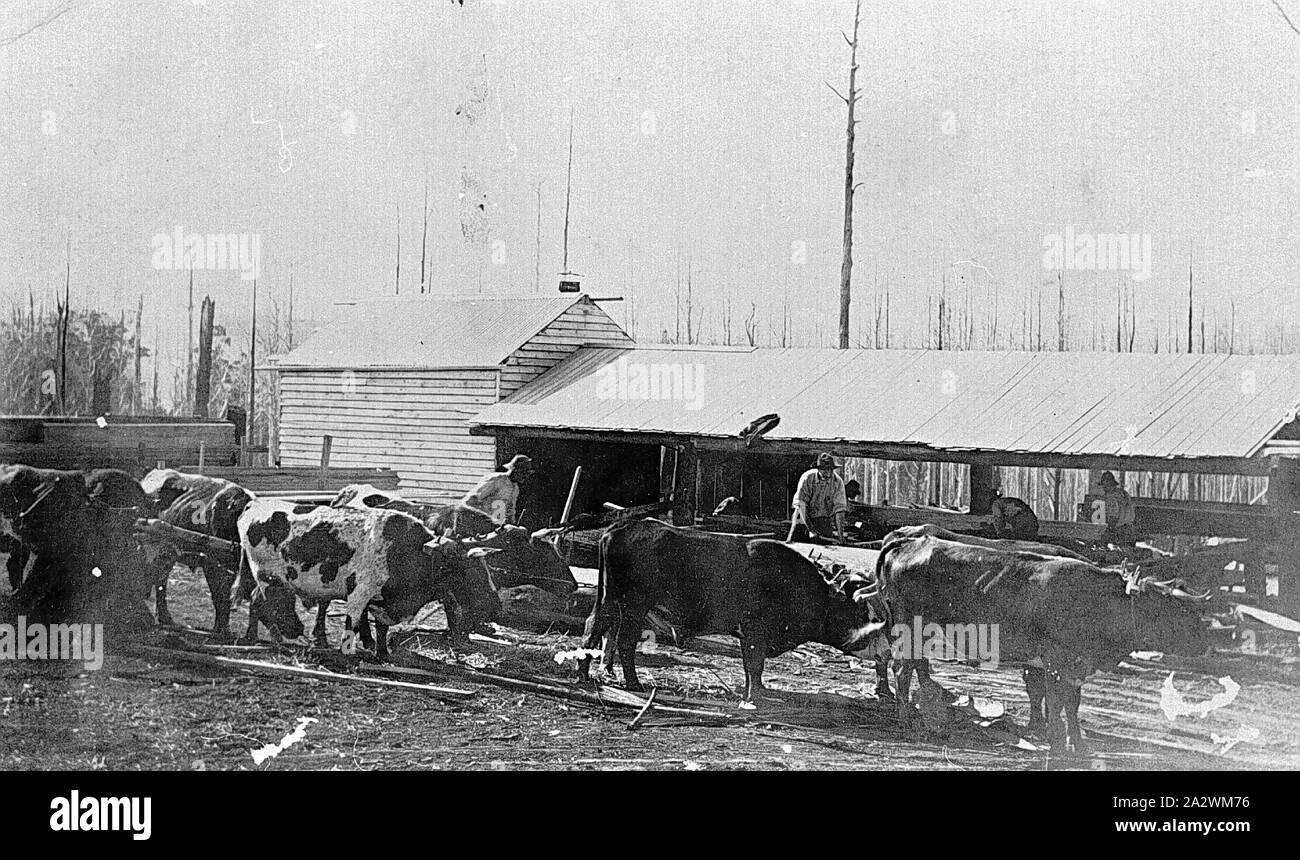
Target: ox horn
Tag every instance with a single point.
(1130, 577)
(866, 593)
(43, 491)
(1183, 594)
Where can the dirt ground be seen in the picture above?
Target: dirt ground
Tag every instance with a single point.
(138, 713)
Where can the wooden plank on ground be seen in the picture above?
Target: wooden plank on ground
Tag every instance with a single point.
(262, 667)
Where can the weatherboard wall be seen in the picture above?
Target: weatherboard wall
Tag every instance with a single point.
(583, 324)
(415, 422)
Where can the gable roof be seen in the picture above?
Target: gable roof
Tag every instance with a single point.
(431, 331)
(1040, 403)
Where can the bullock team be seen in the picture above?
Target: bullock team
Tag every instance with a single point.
(1058, 615)
(72, 549)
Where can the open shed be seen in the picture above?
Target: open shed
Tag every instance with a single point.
(393, 382)
(678, 415)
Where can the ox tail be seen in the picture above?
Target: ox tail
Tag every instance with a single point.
(602, 571)
(243, 580)
(887, 549)
(882, 560)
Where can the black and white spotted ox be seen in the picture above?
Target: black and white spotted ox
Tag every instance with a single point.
(69, 538)
(763, 592)
(369, 496)
(454, 519)
(202, 504)
(1059, 617)
(515, 558)
(374, 560)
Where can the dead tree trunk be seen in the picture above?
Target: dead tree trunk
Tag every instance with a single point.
(424, 234)
(846, 267)
(135, 376)
(203, 380)
(252, 375)
(189, 351)
(65, 311)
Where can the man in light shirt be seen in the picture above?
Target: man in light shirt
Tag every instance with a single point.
(494, 498)
(820, 504)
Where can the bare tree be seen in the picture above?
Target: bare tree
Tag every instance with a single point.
(290, 343)
(424, 234)
(1286, 17)
(846, 267)
(135, 376)
(189, 351)
(58, 11)
(537, 263)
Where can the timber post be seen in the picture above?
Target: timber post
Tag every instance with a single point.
(983, 481)
(326, 444)
(686, 497)
(1284, 504)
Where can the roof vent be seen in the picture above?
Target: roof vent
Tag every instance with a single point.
(570, 283)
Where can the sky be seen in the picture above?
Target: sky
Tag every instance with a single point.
(705, 139)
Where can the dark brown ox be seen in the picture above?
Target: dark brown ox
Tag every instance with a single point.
(761, 591)
(1071, 617)
(69, 537)
(517, 558)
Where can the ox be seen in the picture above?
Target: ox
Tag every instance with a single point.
(1007, 545)
(761, 591)
(363, 496)
(517, 557)
(455, 519)
(1014, 519)
(69, 537)
(199, 503)
(1067, 616)
(374, 560)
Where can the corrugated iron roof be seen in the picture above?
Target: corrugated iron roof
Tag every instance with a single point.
(1118, 404)
(428, 331)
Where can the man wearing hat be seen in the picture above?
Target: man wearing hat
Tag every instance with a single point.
(820, 503)
(497, 493)
(1119, 510)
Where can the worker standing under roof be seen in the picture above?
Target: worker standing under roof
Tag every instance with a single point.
(820, 503)
(493, 499)
(1119, 511)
